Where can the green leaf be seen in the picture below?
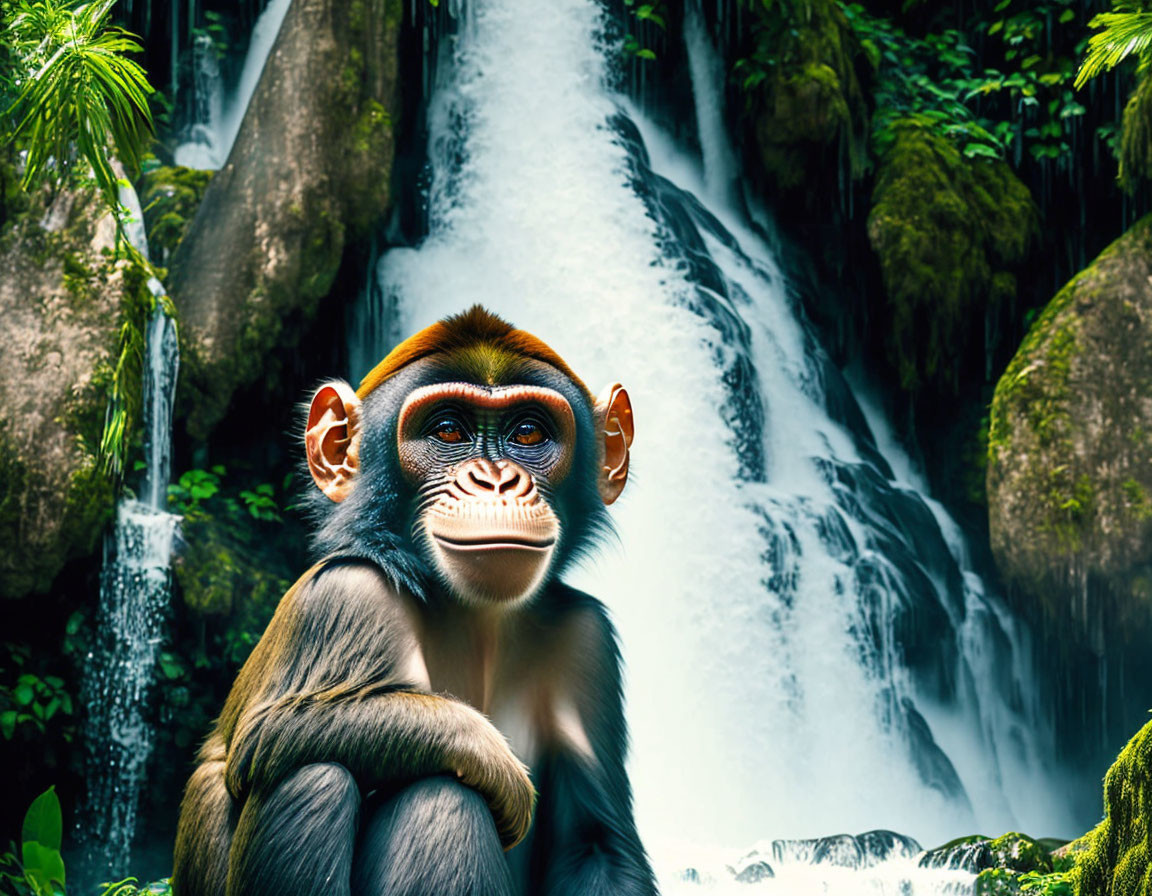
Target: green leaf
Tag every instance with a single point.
(980, 150)
(24, 694)
(8, 724)
(44, 868)
(43, 822)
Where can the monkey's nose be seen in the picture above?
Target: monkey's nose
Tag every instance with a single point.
(481, 478)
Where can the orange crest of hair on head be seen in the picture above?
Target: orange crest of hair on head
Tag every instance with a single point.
(477, 337)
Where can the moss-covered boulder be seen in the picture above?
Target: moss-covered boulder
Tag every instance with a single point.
(170, 196)
(807, 111)
(950, 233)
(1070, 447)
(1135, 148)
(309, 171)
(63, 299)
(1116, 859)
(1013, 852)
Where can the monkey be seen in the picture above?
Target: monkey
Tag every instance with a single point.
(431, 673)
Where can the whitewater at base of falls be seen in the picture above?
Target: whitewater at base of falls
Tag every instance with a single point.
(876, 863)
(807, 650)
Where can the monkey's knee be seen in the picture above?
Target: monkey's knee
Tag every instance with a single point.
(297, 838)
(435, 836)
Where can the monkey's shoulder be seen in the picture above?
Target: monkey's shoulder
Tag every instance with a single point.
(345, 596)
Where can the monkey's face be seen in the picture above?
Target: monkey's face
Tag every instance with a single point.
(500, 467)
(487, 463)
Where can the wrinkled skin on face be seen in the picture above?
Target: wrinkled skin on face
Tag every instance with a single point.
(500, 481)
(485, 462)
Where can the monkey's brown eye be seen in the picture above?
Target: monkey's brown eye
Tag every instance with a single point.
(527, 434)
(449, 431)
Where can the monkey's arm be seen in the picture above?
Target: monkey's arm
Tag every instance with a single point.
(336, 679)
(586, 840)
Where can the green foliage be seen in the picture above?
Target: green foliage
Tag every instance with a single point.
(130, 887)
(997, 882)
(140, 303)
(193, 487)
(643, 13)
(32, 700)
(39, 868)
(926, 80)
(936, 82)
(188, 496)
(215, 32)
(241, 550)
(1037, 85)
(1122, 35)
(79, 94)
(1058, 883)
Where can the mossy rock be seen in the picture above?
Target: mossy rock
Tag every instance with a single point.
(170, 196)
(1019, 852)
(1070, 448)
(310, 172)
(1135, 149)
(63, 299)
(1013, 853)
(950, 233)
(1116, 859)
(808, 112)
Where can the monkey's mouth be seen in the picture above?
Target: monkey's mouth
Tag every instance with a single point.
(497, 542)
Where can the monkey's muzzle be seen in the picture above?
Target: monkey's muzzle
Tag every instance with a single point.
(492, 533)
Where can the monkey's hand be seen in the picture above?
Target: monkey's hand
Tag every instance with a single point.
(487, 764)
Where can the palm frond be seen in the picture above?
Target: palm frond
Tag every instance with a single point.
(1123, 34)
(83, 97)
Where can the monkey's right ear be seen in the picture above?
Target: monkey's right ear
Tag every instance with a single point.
(332, 439)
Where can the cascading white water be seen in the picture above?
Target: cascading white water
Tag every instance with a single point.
(807, 650)
(135, 585)
(219, 113)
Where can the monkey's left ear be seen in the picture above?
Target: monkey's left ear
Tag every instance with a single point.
(332, 439)
(614, 417)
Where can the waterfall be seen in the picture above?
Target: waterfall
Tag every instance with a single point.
(218, 115)
(808, 647)
(135, 586)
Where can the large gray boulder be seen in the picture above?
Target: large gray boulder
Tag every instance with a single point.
(1070, 448)
(309, 172)
(63, 300)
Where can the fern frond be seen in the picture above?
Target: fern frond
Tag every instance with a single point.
(1123, 34)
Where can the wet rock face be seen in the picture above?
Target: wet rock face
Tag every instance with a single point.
(309, 171)
(62, 299)
(1070, 448)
